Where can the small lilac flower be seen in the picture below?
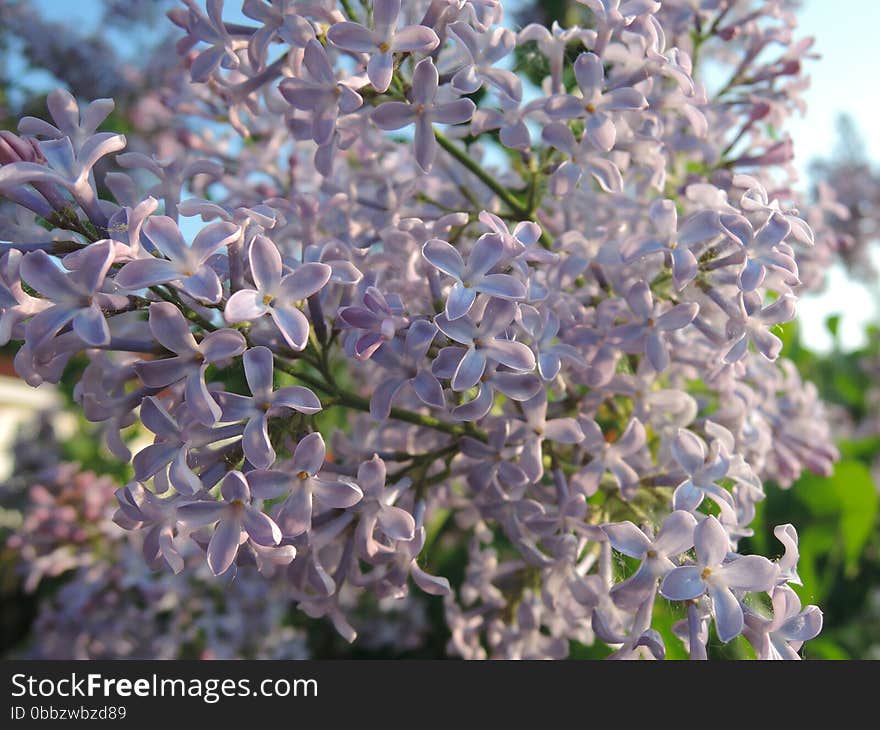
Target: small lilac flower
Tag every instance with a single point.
(752, 325)
(16, 305)
(383, 41)
(237, 520)
(584, 158)
(609, 457)
(553, 44)
(277, 295)
(484, 50)
(510, 121)
(174, 440)
(703, 473)
(378, 511)
(76, 296)
(303, 485)
(404, 364)
(594, 106)
(495, 459)
(321, 94)
(472, 277)
(766, 250)
(716, 576)
(185, 266)
(538, 428)
(212, 30)
(676, 535)
(190, 361)
(781, 637)
(646, 333)
(377, 318)
(158, 518)
(258, 370)
(483, 342)
(543, 327)
(423, 111)
(674, 241)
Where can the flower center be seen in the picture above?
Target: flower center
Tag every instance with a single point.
(706, 573)
(384, 46)
(589, 108)
(303, 475)
(651, 554)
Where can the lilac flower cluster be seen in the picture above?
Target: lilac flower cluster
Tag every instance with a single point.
(549, 324)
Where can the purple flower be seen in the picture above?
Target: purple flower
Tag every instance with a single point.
(645, 332)
(383, 41)
(184, 266)
(236, 518)
(190, 361)
(263, 401)
(781, 637)
(424, 111)
(752, 322)
(703, 473)
(376, 318)
(472, 277)
(321, 94)
(16, 305)
(609, 457)
(595, 106)
(538, 428)
(484, 342)
(303, 486)
(715, 575)
(76, 296)
(277, 295)
(674, 241)
(404, 364)
(484, 50)
(379, 513)
(676, 535)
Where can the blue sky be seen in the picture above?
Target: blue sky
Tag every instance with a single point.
(843, 80)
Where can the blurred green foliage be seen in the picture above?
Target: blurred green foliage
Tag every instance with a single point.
(836, 517)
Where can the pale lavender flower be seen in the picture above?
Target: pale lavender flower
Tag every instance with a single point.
(483, 51)
(304, 485)
(781, 637)
(236, 518)
(383, 41)
(378, 512)
(645, 334)
(321, 93)
(378, 320)
(277, 295)
(263, 402)
(676, 535)
(717, 576)
(703, 473)
(594, 106)
(76, 296)
(182, 265)
(424, 111)
(484, 342)
(190, 361)
(472, 277)
(538, 428)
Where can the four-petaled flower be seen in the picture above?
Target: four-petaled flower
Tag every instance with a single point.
(277, 295)
(263, 401)
(716, 575)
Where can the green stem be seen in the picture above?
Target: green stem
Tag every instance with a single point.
(510, 200)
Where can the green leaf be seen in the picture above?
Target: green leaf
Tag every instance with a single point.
(847, 501)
